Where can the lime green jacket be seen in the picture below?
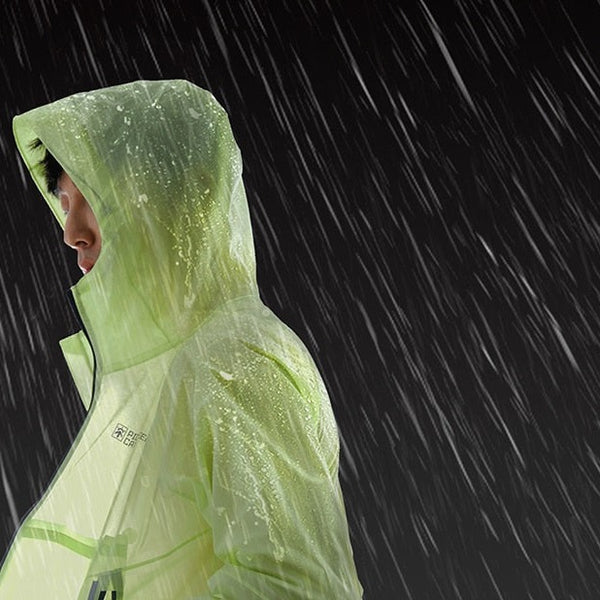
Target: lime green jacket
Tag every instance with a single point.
(207, 466)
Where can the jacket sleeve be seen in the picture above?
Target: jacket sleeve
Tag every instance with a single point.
(268, 465)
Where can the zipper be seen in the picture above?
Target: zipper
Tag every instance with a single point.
(96, 594)
(85, 332)
(107, 582)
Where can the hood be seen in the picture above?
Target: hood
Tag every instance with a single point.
(158, 164)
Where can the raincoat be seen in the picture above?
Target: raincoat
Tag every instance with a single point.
(207, 465)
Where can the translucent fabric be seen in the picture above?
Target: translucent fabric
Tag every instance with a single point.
(207, 466)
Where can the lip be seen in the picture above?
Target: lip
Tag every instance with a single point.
(85, 266)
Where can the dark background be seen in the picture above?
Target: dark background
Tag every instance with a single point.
(423, 181)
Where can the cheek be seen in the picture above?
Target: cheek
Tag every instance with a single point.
(90, 217)
(93, 223)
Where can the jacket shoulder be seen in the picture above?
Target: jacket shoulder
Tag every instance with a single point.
(248, 339)
(260, 364)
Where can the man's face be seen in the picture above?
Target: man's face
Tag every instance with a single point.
(81, 228)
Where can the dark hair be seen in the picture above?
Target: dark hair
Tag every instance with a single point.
(51, 168)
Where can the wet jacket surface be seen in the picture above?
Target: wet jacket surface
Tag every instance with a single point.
(207, 465)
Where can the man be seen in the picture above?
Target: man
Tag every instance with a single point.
(207, 464)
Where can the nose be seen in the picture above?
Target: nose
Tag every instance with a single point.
(77, 234)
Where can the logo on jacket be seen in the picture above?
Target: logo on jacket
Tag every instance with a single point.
(128, 436)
